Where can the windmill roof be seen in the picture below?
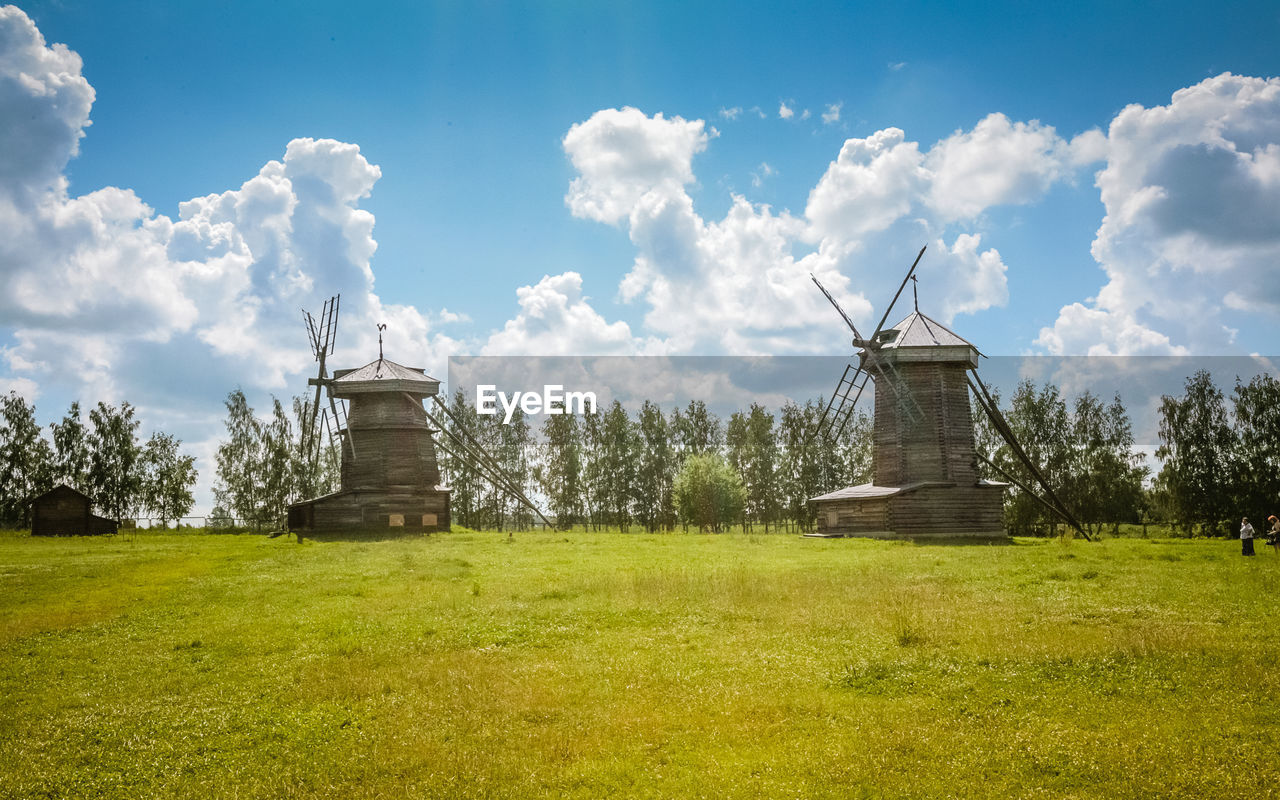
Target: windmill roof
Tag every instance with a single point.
(918, 330)
(384, 375)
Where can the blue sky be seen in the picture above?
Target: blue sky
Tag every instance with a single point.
(463, 106)
(697, 217)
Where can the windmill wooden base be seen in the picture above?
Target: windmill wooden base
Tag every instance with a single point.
(921, 510)
(372, 511)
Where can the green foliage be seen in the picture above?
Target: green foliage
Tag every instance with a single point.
(259, 462)
(1103, 479)
(587, 665)
(315, 470)
(26, 462)
(167, 478)
(708, 493)
(115, 460)
(559, 470)
(1256, 407)
(696, 430)
(655, 470)
(239, 487)
(71, 453)
(1197, 444)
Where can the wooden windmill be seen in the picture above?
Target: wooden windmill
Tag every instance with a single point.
(390, 473)
(924, 462)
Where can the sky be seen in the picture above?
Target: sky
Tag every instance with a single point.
(178, 181)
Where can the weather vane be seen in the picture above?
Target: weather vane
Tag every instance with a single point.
(381, 327)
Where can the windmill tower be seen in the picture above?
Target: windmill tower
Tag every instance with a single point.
(924, 461)
(390, 474)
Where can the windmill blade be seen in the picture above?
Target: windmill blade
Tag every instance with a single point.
(847, 321)
(885, 317)
(905, 400)
(463, 454)
(321, 333)
(329, 324)
(1002, 427)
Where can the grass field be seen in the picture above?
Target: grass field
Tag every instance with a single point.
(609, 665)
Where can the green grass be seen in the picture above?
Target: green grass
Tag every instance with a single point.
(600, 665)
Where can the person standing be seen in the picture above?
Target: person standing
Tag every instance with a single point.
(1273, 535)
(1246, 537)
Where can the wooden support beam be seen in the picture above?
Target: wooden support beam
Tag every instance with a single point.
(482, 462)
(1002, 427)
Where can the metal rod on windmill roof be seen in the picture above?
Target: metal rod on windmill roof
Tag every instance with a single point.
(1006, 432)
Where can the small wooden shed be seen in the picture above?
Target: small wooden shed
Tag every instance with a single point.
(63, 511)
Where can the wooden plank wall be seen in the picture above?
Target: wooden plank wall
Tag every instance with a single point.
(392, 444)
(937, 448)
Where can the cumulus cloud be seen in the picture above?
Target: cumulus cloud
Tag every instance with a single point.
(1191, 237)
(873, 182)
(740, 284)
(785, 111)
(556, 319)
(108, 300)
(832, 114)
(996, 163)
(731, 113)
(621, 155)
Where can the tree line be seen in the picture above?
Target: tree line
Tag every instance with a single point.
(104, 459)
(654, 470)
(1221, 457)
(261, 468)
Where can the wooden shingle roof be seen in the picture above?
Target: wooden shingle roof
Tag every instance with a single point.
(384, 376)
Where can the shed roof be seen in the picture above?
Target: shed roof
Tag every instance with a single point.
(60, 490)
(384, 375)
(867, 491)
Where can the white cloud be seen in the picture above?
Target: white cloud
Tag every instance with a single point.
(785, 111)
(622, 154)
(896, 66)
(25, 387)
(556, 319)
(805, 114)
(832, 114)
(731, 113)
(1191, 236)
(762, 172)
(1094, 332)
(871, 184)
(996, 163)
(740, 284)
(109, 300)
